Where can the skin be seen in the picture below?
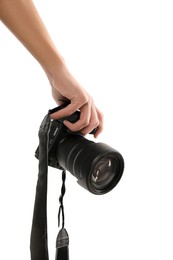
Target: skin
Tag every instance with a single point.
(23, 20)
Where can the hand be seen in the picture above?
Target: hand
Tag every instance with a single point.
(65, 87)
(22, 18)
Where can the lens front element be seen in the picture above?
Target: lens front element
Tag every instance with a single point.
(104, 172)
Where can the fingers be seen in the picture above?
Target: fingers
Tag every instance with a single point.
(90, 117)
(96, 122)
(93, 123)
(65, 112)
(100, 125)
(84, 120)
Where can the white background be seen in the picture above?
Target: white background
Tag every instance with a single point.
(121, 52)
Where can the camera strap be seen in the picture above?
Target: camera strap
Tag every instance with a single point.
(39, 238)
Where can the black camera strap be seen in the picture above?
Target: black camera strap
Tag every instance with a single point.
(38, 239)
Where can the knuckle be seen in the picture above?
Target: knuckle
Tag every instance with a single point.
(86, 122)
(70, 111)
(84, 132)
(94, 123)
(85, 99)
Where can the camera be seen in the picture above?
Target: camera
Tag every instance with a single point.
(97, 166)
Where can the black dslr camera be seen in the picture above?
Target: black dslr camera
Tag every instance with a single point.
(97, 166)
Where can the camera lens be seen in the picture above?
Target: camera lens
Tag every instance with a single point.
(97, 166)
(104, 172)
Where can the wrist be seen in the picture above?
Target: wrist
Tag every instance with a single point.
(52, 62)
(53, 67)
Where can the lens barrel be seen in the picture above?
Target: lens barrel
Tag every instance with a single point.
(97, 166)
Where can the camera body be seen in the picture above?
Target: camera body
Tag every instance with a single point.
(57, 133)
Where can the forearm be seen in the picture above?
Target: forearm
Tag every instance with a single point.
(22, 18)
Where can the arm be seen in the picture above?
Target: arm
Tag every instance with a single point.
(22, 18)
